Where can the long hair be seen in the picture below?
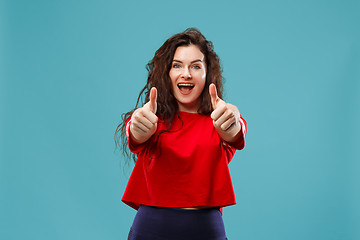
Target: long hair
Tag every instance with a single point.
(158, 76)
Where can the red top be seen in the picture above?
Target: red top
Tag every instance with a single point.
(188, 166)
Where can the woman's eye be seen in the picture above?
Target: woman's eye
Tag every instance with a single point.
(196, 67)
(176, 66)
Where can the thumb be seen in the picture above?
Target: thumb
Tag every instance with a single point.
(213, 95)
(153, 97)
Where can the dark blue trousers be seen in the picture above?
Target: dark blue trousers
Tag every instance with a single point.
(162, 223)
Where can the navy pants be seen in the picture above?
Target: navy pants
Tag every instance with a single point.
(162, 223)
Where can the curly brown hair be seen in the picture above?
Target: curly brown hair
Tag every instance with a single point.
(158, 76)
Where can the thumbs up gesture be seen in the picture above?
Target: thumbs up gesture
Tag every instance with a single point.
(144, 120)
(226, 117)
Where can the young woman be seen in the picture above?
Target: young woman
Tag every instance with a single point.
(184, 136)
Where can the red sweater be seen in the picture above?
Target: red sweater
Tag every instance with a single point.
(188, 166)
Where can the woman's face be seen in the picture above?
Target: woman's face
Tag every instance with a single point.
(188, 76)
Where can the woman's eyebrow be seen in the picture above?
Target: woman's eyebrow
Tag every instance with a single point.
(197, 60)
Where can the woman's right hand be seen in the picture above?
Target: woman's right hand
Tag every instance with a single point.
(144, 120)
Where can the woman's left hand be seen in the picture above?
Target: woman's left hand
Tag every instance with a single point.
(226, 117)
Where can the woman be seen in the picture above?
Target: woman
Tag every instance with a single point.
(184, 136)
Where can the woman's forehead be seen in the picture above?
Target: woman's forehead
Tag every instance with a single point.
(188, 53)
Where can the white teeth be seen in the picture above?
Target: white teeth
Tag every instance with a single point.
(185, 85)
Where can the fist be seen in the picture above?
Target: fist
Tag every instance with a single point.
(226, 117)
(144, 120)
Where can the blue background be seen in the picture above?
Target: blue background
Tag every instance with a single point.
(69, 69)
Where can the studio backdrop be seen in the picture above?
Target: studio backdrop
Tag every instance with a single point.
(69, 69)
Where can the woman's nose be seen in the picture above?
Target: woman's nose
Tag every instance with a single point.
(186, 74)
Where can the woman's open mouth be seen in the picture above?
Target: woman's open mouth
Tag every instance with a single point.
(185, 88)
